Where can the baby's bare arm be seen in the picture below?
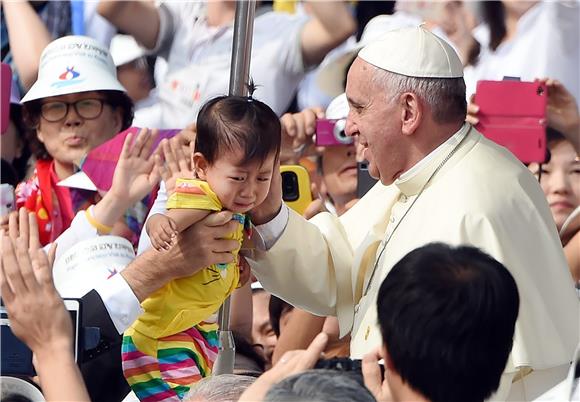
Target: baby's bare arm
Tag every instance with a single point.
(184, 218)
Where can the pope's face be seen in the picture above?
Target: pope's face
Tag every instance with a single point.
(376, 120)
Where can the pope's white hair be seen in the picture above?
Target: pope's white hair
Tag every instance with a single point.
(444, 96)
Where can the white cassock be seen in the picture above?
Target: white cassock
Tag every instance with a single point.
(481, 196)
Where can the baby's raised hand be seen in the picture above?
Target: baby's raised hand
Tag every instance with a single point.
(161, 230)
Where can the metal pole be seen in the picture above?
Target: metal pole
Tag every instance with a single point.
(239, 78)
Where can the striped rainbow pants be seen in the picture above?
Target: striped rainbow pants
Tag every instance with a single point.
(182, 360)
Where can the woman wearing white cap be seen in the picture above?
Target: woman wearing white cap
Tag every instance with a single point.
(76, 104)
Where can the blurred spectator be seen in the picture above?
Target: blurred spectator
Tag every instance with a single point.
(263, 335)
(248, 361)
(219, 388)
(449, 20)
(14, 148)
(199, 52)
(37, 313)
(134, 74)
(528, 39)
(75, 105)
(279, 312)
(29, 26)
(288, 380)
(447, 318)
(560, 180)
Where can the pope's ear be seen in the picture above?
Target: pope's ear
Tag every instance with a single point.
(200, 165)
(411, 112)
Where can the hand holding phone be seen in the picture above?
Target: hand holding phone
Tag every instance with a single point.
(513, 114)
(296, 187)
(330, 132)
(41, 323)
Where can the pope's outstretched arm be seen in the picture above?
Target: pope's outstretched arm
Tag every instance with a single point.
(305, 263)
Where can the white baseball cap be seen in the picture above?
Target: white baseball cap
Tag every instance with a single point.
(73, 64)
(124, 49)
(338, 108)
(413, 52)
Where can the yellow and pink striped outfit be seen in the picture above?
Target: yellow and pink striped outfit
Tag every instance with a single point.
(173, 343)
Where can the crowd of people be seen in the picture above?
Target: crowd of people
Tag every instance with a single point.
(456, 277)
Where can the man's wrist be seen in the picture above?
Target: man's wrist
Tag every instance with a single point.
(145, 275)
(261, 219)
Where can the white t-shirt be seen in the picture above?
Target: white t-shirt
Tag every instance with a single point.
(547, 44)
(199, 60)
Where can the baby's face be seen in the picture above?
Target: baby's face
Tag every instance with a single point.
(240, 187)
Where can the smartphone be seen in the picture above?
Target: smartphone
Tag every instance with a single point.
(296, 187)
(16, 357)
(330, 132)
(512, 113)
(5, 88)
(364, 180)
(6, 199)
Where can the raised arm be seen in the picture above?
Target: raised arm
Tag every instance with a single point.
(37, 313)
(330, 25)
(138, 18)
(28, 37)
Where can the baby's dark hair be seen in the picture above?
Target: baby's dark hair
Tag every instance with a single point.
(227, 122)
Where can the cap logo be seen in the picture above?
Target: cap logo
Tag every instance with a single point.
(68, 77)
(69, 74)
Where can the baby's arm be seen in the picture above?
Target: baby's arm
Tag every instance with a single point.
(162, 228)
(185, 217)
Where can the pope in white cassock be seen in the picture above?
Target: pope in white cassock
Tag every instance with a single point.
(441, 180)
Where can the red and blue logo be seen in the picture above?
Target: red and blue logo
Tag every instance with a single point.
(68, 77)
(69, 74)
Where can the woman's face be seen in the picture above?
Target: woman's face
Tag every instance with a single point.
(69, 139)
(561, 180)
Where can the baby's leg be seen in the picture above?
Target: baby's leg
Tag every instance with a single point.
(141, 370)
(187, 357)
(181, 360)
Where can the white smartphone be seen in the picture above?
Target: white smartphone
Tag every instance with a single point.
(74, 308)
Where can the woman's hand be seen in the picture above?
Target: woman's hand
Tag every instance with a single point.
(298, 130)
(177, 163)
(562, 111)
(36, 311)
(135, 174)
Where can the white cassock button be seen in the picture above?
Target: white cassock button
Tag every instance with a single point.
(392, 219)
(404, 198)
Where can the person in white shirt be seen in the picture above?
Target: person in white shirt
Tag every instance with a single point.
(196, 40)
(528, 39)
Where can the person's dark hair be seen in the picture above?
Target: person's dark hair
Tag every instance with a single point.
(277, 308)
(31, 118)
(447, 316)
(227, 122)
(493, 13)
(246, 349)
(320, 386)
